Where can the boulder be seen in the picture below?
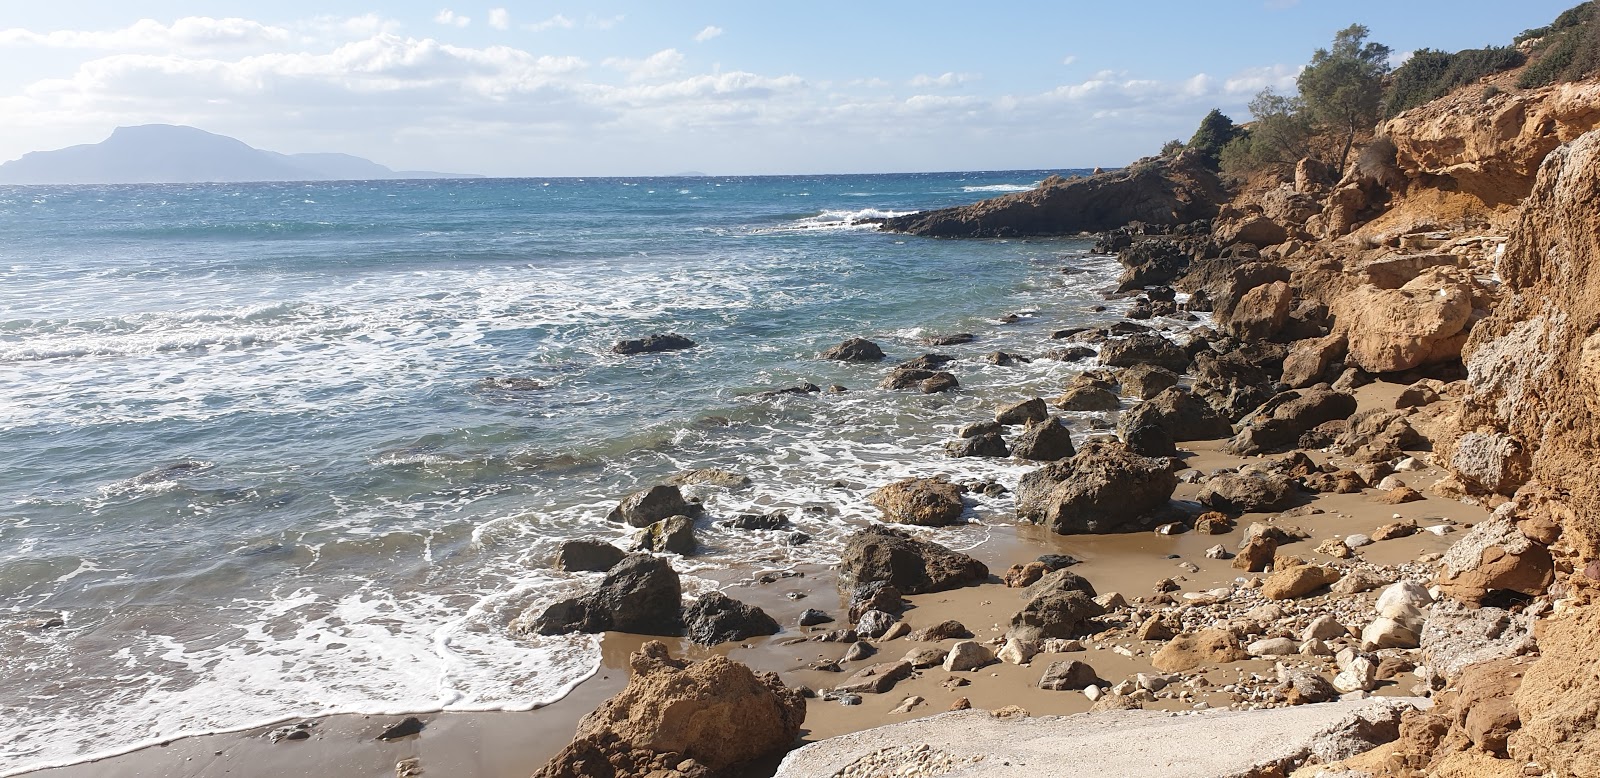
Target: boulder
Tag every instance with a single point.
(1145, 349)
(1146, 381)
(1257, 230)
(1053, 613)
(927, 502)
(1103, 488)
(967, 655)
(1213, 646)
(1422, 323)
(1150, 262)
(641, 595)
(911, 566)
(1255, 554)
(1278, 425)
(1004, 359)
(1045, 441)
(641, 509)
(986, 445)
(1495, 556)
(771, 520)
(1491, 461)
(1088, 398)
(925, 381)
(595, 556)
(714, 716)
(951, 340)
(1247, 492)
(855, 350)
(1309, 359)
(653, 344)
(1180, 413)
(876, 679)
(1298, 581)
(944, 630)
(717, 618)
(875, 623)
(1302, 686)
(674, 534)
(1261, 312)
(1070, 675)
(1022, 412)
(1059, 581)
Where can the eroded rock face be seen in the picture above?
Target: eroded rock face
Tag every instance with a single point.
(1262, 311)
(1166, 191)
(1104, 488)
(1496, 556)
(928, 502)
(911, 566)
(717, 713)
(1422, 323)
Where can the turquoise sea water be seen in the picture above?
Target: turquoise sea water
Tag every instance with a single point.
(247, 461)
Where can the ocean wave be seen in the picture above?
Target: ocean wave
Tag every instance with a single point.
(835, 220)
(1000, 188)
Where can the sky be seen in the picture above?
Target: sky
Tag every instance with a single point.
(646, 87)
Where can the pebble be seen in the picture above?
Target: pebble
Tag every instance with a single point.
(1440, 529)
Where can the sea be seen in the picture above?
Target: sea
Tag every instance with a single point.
(255, 463)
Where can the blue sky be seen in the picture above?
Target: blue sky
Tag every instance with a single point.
(638, 88)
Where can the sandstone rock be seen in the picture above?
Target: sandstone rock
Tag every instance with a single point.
(1178, 411)
(1309, 359)
(988, 445)
(640, 594)
(1046, 441)
(1300, 686)
(927, 502)
(1361, 580)
(1018, 576)
(1261, 312)
(674, 534)
(641, 509)
(1256, 554)
(1069, 675)
(1022, 412)
(1103, 488)
(1088, 398)
(1297, 581)
(1018, 652)
(1279, 424)
(1146, 381)
(967, 655)
(1272, 647)
(1495, 556)
(944, 630)
(1054, 614)
(1145, 349)
(876, 679)
(1491, 461)
(1256, 230)
(923, 658)
(1421, 323)
(1247, 492)
(1207, 647)
(912, 566)
(855, 350)
(1399, 496)
(1213, 523)
(588, 555)
(653, 344)
(1324, 627)
(1059, 581)
(717, 618)
(738, 716)
(1399, 529)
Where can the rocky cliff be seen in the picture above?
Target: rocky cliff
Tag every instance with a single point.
(1164, 191)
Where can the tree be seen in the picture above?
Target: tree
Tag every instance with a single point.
(1214, 132)
(1278, 138)
(1171, 148)
(1342, 88)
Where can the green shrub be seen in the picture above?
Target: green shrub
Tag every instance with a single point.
(1429, 75)
(1214, 132)
(1569, 49)
(1490, 91)
(1171, 148)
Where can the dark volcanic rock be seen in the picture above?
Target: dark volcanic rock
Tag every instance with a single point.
(653, 344)
(986, 445)
(640, 594)
(1045, 441)
(717, 618)
(912, 566)
(925, 381)
(1180, 413)
(1145, 349)
(855, 350)
(595, 556)
(1171, 190)
(641, 509)
(1104, 488)
(952, 340)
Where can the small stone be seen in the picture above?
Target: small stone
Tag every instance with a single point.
(967, 655)
(1272, 647)
(409, 726)
(858, 651)
(811, 617)
(961, 703)
(923, 658)
(1111, 601)
(1357, 541)
(899, 630)
(908, 704)
(1324, 627)
(1390, 483)
(1218, 551)
(1018, 652)
(1440, 529)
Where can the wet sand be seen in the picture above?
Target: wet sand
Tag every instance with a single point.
(514, 744)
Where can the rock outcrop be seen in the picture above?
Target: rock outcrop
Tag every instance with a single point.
(1103, 488)
(1164, 191)
(700, 719)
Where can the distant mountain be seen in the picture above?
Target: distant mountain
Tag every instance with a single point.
(165, 153)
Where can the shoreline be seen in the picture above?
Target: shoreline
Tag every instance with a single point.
(511, 744)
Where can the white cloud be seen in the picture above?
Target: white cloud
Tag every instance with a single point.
(944, 81)
(708, 33)
(191, 32)
(499, 18)
(1069, 59)
(603, 22)
(659, 65)
(451, 18)
(554, 22)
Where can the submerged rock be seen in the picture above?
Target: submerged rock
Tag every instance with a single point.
(855, 350)
(653, 344)
(641, 594)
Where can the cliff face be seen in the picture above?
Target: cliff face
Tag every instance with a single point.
(1167, 191)
(1491, 148)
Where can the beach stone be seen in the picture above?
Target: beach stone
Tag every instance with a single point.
(1399, 529)
(739, 716)
(1071, 354)
(967, 655)
(925, 381)
(944, 630)
(1212, 646)
(1301, 686)
(1324, 627)
(716, 618)
(1272, 647)
(811, 617)
(1088, 398)
(1247, 492)
(899, 630)
(1335, 548)
(923, 658)
(772, 520)
(1146, 381)
(1022, 412)
(1297, 581)
(912, 566)
(1018, 576)
(1218, 551)
(640, 594)
(673, 534)
(874, 623)
(1144, 349)
(1018, 652)
(1069, 675)
(876, 679)
(858, 651)
(908, 704)
(1004, 359)
(1256, 554)
(1357, 540)
(1213, 523)
(1054, 614)
(977, 428)
(855, 350)
(928, 502)
(595, 556)
(1357, 672)
(1045, 441)
(1400, 496)
(1059, 581)
(1180, 413)
(1111, 601)
(990, 445)
(951, 340)
(1103, 488)
(643, 508)
(875, 595)
(1361, 580)
(653, 344)
(1157, 627)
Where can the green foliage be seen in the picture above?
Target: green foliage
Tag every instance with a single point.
(1342, 88)
(1567, 52)
(1214, 132)
(1429, 74)
(1575, 16)
(1280, 137)
(1490, 91)
(1171, 148)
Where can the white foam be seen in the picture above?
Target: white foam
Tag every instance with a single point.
(1001, 188)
